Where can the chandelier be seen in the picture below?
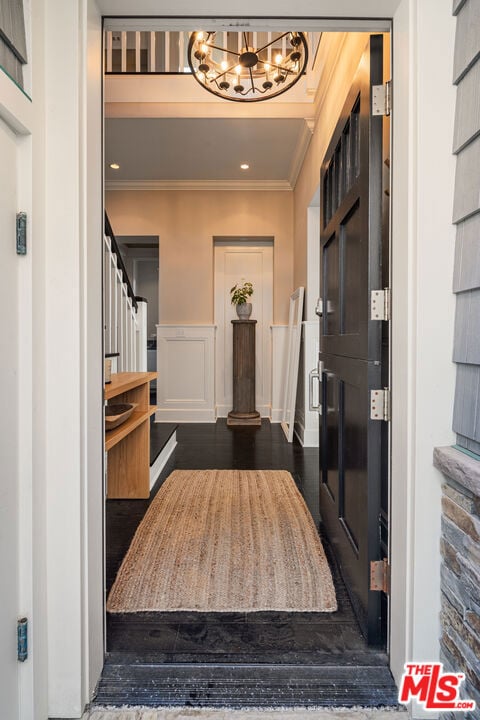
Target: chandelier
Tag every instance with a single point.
(236, 70)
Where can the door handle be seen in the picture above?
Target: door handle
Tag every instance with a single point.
(330, 409)
(314, 375)
(319, 307)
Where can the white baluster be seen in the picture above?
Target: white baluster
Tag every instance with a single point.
(181, 50)
(107, 301)
(123, 45)
(167, 52)
(152, 58)
(137, 51)
(120, 321)
(108, 45)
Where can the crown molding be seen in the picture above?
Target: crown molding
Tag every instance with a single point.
(258, 185)
(300, 152)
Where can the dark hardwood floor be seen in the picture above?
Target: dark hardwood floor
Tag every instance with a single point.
(148, 654)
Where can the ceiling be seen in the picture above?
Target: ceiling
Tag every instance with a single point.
(203, 149)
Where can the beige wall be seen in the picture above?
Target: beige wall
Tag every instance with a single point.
(340, 54)
(186, 222)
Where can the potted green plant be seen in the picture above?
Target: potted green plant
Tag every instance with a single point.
(239, 294)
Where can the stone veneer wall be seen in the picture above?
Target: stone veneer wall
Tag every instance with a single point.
(460, 576)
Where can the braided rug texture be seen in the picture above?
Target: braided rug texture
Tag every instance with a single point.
(225, 541)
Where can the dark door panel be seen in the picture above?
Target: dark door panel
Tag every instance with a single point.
(352, 446)
(350, 487)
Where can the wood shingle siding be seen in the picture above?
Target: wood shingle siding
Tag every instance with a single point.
(466, 348)
(467, 39)
(13, 45)
(466, 215)
(466, 274)
(467, 182)
(466, 411)
(467, 115)
(457, 5)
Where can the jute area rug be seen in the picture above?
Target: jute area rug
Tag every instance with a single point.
(225, 541)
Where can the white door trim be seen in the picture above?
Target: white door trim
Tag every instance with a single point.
(263, 334)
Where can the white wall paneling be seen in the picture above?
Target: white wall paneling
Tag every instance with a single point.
(186, 373)
(235, 263)
(279, 370)
(306, 420)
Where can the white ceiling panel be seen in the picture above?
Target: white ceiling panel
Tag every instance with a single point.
(149, 149)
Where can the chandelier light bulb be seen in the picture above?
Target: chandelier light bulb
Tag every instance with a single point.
(278, 59)
(266, 67)
(200, 36)
(204, 49)
(224, 65)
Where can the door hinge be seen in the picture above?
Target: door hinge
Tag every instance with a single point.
(382, 99)
(22, 639)
(380, 304)
(380, 576)
(380, 404)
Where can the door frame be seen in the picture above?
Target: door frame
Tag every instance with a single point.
(421, 141)
(245, 244)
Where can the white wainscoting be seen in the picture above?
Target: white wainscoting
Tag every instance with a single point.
(279, 371)
(186, 373)
(306, 420)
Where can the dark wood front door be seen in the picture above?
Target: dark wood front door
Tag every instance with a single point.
(353, 361)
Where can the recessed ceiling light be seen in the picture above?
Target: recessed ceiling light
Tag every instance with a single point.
(244, 166)
(115, 166)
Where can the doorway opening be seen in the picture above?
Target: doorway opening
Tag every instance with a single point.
(259, 637)
(236, 259)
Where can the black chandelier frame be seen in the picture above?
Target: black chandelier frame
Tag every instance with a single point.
(250, 60)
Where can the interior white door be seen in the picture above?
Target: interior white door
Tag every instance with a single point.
(9, 431)
(234, 264)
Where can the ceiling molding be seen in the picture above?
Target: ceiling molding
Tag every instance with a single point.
(300, 152)
(216, 185)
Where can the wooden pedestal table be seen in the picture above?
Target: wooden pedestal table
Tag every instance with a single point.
(128, 445)
(244, 412)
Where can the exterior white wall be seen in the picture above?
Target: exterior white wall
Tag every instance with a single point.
(36, 695)
(433, 320)
(423, 312)
(91, 223)
(66, 503)
(62, 353)
(67, 621)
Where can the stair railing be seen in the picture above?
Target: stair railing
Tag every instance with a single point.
(125, 327)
